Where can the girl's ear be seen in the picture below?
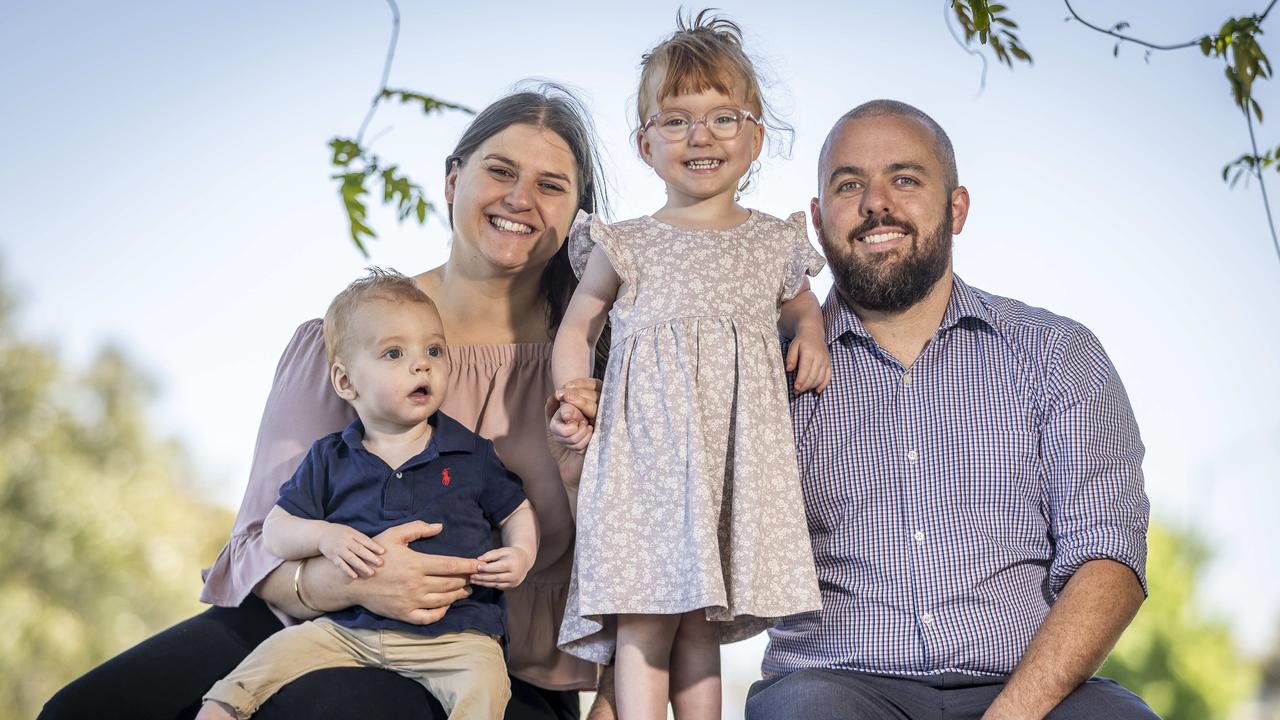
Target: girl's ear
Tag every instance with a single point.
(759, 140)
(642, 145)
(342, 382)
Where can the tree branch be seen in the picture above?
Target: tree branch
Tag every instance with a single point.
(386, 70)
(1257, 170)
(946, 16)
(1144, 43)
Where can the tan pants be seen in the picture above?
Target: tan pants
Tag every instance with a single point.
(464, 670)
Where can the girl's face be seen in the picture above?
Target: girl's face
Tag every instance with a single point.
(513, 201)
(701, 166)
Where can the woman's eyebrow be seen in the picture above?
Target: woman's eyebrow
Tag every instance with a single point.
(503, 158)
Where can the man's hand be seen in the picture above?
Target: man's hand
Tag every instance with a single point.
(349, 549)
(503, 568)
(809, 358)
(411, 586)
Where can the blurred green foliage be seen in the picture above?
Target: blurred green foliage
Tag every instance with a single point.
(101, 537)
(1182, 661)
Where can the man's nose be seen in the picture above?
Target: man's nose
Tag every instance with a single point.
(875, 200)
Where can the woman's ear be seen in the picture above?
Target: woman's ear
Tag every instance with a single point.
(451, 180)
(342, 382)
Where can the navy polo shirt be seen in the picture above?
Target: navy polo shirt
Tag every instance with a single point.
(457, 480)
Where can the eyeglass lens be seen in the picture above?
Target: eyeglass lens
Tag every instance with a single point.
(723, 122)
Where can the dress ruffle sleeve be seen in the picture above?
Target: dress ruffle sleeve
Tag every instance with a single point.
(802, 259)
(301, 407)
(588, 231)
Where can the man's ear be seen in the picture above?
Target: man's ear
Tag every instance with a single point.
(815, 216)
(959, 209)
(342, 382)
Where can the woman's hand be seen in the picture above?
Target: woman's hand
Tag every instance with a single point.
(582, 394)
(411, 586)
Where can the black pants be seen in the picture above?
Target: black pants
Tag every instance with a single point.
(164, 677)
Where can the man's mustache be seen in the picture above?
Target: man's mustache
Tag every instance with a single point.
(885, 220)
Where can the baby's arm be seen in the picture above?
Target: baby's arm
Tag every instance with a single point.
(801, 320)
(289, 537)
(505, 567)
(572, 355)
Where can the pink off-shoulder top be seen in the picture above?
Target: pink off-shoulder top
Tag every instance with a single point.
(496, 390)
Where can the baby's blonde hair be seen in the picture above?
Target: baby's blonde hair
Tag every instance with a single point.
(704, 53)
(379, 284)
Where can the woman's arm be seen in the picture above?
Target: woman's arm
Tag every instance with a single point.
(410, 586)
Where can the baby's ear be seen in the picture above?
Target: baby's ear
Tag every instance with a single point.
(342, 382)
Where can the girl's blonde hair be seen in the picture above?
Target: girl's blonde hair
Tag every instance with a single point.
(703, 54)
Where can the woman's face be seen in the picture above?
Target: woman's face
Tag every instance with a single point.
(513, 200)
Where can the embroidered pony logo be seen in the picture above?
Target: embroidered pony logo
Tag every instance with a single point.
(444, 478)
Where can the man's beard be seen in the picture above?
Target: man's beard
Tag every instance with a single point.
(887, 283)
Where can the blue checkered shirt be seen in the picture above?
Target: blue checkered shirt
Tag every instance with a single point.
(949, 502)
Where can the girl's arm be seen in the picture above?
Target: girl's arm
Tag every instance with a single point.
(572, 354)
(293, 538)
(801, 320)
(505, 567)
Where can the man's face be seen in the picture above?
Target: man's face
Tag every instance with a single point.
(884, 213)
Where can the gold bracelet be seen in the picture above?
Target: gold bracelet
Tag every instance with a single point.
(297, 587)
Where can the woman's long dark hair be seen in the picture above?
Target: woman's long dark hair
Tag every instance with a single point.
(552, 107)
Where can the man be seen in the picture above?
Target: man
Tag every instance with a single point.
(972, 475)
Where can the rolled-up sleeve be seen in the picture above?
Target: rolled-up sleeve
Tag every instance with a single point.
(301, 408)
(1092, 456)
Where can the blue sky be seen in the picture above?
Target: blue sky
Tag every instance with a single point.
(166, 189)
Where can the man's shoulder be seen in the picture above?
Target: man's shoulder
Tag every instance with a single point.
(1032, 328)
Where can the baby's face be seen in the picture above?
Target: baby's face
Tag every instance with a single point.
(397, 367)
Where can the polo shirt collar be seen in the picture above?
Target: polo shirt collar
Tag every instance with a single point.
(449, 435)
(840, 319)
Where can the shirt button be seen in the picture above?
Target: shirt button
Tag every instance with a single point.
(399, 475)
(906, 379)
(919, 536)
(926, 618)
(912, 455)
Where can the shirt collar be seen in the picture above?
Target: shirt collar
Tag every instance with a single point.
(449, 435)
(840, 319)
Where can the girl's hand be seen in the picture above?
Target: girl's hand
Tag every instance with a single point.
(570, 428)
(351, 550)
(503, 568)
(570, 424)
(809, 358)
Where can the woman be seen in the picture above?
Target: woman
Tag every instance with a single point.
(518, 176)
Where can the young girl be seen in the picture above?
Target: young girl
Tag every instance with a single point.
(691, 528)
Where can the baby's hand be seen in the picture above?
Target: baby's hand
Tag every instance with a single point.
(503, 568)
(351, 550)
(570, 428)
(809, 358)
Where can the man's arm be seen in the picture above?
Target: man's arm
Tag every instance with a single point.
(1093, 610)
